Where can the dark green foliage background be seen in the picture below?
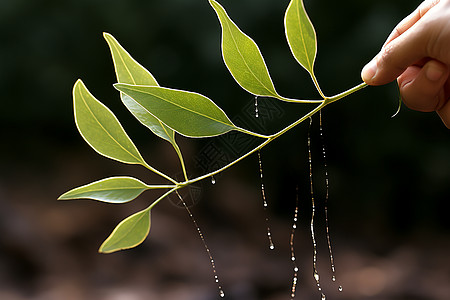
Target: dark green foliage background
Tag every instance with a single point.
(390, 178)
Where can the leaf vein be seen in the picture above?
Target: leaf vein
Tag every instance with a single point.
(245, 62)
(123, 63)
(302, 37)
(104, 129)
(181, 106)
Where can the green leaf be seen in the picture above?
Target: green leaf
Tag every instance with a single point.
(129, 233)
(301, 35)
(243, 57)
(100, 128)
(111, 190)
(149, 120)
(187, 113)
(129, 71)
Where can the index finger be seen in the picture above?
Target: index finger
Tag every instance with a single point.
(410, 20)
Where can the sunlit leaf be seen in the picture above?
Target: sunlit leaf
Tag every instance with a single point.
(243, 57)
(129, 71)
(187, 113)
(129, 233)
(300, 35)
(111, 190)
(101, 129)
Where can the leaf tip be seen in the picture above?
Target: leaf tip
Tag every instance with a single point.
(108, 37)
(214, 4)
(119, 86)
(101, 250)
(78, 82)
(130, 233)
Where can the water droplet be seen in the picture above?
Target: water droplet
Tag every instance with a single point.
(327, 189)
(291, 243)
(324, 297)
(213, 180)
(202, 237)
(265, 204)
(340, 288)
(313, 211)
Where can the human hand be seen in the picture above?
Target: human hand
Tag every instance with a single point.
(417, 54)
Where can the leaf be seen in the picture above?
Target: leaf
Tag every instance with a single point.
(149, 120)
(110, 190)
(400, 102)
(100, 128)
(129, 233)
(188, 113)
(300, 35)
(243, 57)
(129, 71)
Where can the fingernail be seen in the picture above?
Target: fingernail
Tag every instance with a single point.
(433, 73)
(369, 71)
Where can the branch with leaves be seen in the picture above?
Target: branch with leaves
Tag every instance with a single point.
(167, 112)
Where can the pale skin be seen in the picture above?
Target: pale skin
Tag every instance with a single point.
(417, 54)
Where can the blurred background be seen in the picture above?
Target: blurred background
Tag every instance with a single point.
(389, 177)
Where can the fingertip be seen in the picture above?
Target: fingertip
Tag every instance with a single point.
(422, 87)
(369, 72)
(435, 71)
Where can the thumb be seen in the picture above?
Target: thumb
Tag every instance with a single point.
(395, 57)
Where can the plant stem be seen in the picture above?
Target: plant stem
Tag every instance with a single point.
(346, 93)
(268, 139)
(154, 187)
(316, 83)
(252, 133)
(159, 173)
(297, 100)
(163, 196)
(263, 144)
(180, 156)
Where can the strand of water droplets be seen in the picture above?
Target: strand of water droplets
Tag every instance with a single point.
(256, 107)
(265, 205)
(313, 204)
(208, 251)
(327, 187)
(291, 243)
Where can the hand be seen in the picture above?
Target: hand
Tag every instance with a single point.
(417, 54)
